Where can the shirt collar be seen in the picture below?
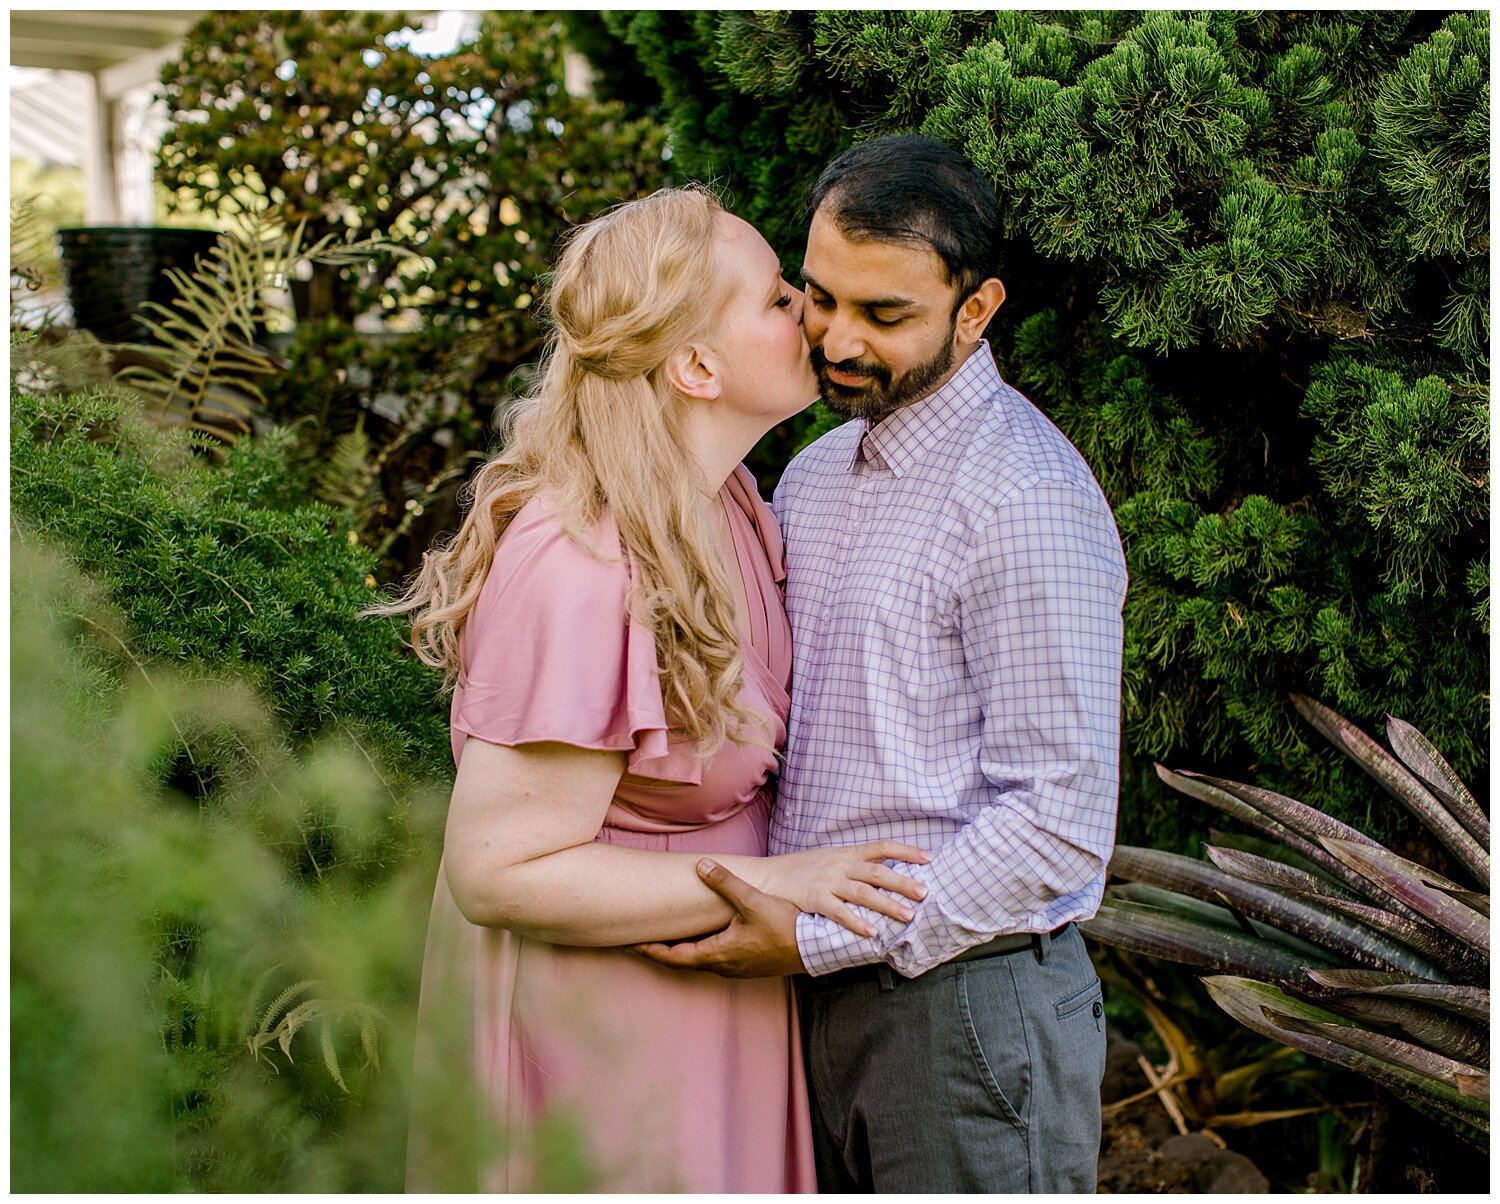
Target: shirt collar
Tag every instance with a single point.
(898, 441)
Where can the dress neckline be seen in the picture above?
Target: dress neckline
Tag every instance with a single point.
(755, 628)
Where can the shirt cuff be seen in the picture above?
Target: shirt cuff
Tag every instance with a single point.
(826, 945)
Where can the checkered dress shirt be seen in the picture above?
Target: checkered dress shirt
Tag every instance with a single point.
(954, 581)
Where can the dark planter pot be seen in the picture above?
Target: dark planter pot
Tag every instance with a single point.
(323, 296)
(112, 270)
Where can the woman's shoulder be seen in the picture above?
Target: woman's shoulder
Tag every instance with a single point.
(551, 652)
(540, 530)
(542, 555)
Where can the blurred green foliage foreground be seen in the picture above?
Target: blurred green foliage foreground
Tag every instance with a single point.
(221, 861)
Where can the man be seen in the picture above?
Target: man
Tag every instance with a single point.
(954, 581)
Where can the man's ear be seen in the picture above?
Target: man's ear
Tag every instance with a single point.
(692, 371)
(975, 313)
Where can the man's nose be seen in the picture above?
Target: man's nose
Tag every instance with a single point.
(841, 341)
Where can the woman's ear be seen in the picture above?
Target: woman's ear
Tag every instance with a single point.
(693, 372)
(975, 313)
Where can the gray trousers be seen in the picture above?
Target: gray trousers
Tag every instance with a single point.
(978, 1076)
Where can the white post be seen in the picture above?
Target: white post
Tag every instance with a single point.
(101, 202)
(137, 125)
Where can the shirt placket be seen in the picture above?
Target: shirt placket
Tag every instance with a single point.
(843, 520)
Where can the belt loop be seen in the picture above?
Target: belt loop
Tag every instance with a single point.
(887, 979)
(1041, 945)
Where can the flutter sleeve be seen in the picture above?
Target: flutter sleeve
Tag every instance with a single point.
(550, 654)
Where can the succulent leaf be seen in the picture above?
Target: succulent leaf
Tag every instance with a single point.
(1255, 868)
(1420, 888)
(1424, 760)
(1191, 908)
(1441, 949)
(1438, 1030)
(1208, 790)
(1469, 898)
(1312, 825)
(1341, 937)
(1475, 1086)
(1400, 783)
(1390, 1049)
(1271, 850)
(1311, 888)
(1155, 933)
(1249, 1001)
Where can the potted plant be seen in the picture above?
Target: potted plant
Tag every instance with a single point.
(112, 271)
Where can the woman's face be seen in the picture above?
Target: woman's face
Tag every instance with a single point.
(766, 368)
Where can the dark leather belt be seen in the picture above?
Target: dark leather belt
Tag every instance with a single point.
(1012, 942)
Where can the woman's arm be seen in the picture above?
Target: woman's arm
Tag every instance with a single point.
(520, 853)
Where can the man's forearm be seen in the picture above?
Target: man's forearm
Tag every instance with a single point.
(998, 874)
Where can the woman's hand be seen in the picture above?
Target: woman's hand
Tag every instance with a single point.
(824, 881)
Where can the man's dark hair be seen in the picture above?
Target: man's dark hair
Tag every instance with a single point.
(911, 188)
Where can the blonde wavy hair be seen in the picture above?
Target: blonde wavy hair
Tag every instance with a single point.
(601, 432)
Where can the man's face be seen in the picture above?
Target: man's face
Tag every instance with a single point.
(879, 318)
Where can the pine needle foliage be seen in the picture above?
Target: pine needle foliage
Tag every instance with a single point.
(1247, 266)
(228, 565)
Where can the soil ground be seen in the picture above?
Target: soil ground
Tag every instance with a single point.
(1142, 1151)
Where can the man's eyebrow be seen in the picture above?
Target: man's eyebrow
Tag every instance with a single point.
(873, 303)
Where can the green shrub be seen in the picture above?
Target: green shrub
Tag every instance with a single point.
(227, 800)
(475, 160)
(226, 565)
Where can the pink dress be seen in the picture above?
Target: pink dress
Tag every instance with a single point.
(669, 1080)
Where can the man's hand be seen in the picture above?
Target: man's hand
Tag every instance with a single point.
(760, 941)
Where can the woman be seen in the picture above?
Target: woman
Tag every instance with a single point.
(609, 616)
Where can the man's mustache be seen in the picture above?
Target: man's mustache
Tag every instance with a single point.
(848, 367)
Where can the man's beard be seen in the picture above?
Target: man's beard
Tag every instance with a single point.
(884, 394)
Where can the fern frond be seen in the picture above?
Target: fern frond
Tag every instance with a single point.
(330, 1055)
(306, 1011)
(30, 249)
(203, 373)
(297, 988)
(367, 1038)
(328, 1013)
(46, 355)
(348, 476)
(43, 362)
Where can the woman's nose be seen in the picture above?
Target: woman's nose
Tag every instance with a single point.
(799, 302)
